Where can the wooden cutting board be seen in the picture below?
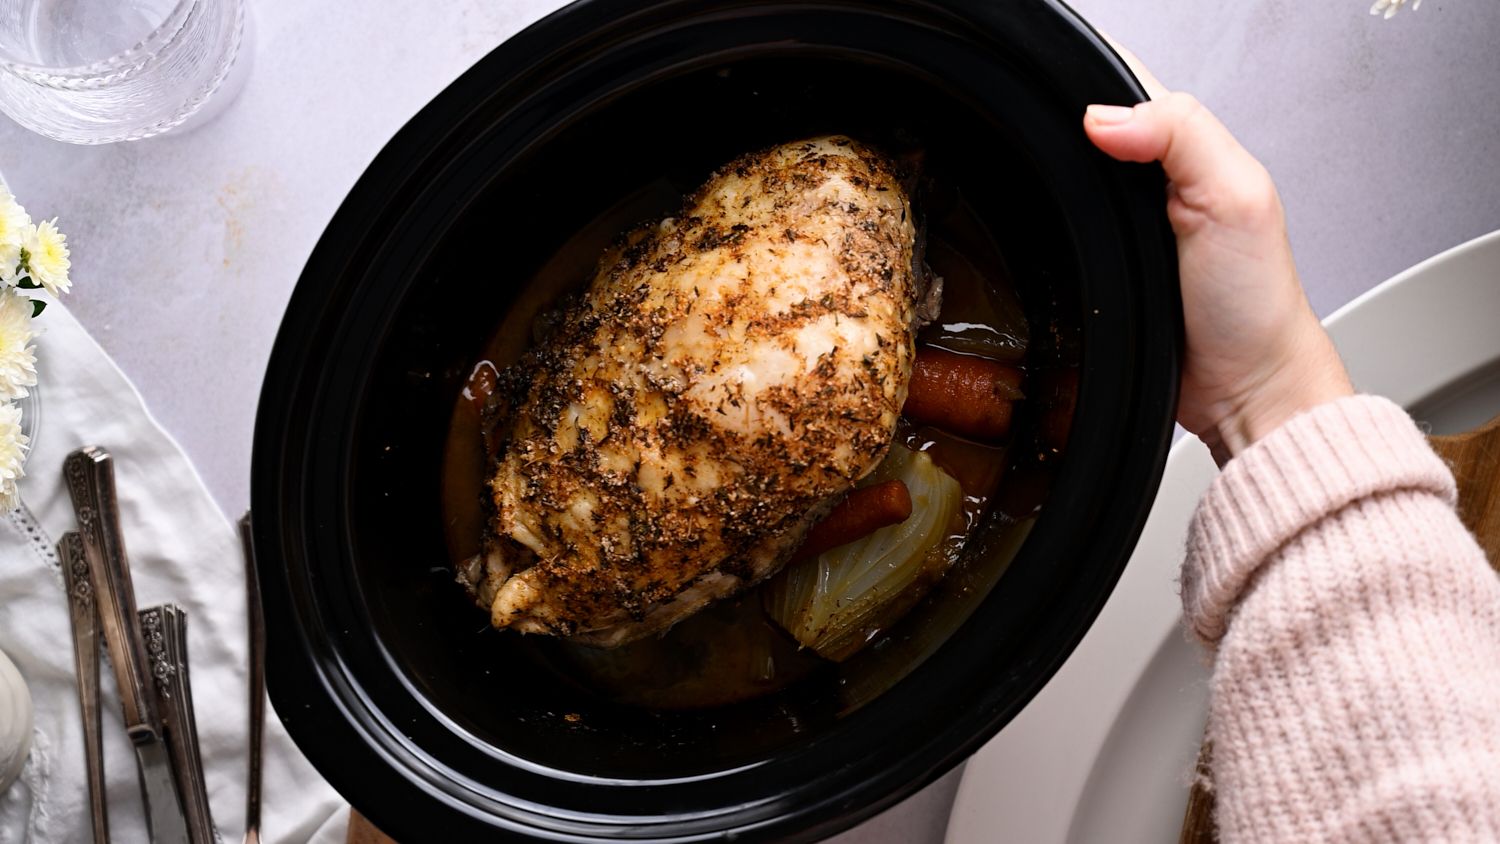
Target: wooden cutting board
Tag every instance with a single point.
(362, 831)
(1475, 459)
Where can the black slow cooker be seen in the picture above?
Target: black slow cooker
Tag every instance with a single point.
(439, 729)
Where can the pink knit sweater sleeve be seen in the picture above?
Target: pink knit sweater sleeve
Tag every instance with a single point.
(1356, 626)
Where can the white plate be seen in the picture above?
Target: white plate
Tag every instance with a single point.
(1105, 751)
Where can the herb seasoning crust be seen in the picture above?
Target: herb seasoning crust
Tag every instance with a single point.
(728, 376)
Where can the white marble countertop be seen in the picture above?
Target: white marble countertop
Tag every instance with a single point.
(1383, 136)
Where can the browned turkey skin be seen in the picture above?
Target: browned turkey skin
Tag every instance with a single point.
(728, 375)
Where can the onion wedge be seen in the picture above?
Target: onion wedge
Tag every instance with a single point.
(838, 602)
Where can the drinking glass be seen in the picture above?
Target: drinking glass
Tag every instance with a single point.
(99, 71)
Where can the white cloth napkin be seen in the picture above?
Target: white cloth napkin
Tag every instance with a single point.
(183, 550)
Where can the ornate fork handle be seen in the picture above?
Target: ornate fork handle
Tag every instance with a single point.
(85, 619)
(90, 476)
(164, 629)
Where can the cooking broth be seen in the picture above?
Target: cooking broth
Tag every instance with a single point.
(731, 651)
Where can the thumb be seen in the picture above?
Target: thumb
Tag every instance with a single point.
(1194, 148)
(1209, 170)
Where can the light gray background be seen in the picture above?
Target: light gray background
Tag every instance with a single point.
(1384, 137)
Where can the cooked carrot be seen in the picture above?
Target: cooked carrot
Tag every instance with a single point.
(861, 513)
(961, 394)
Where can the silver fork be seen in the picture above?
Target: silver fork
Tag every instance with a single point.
(257, 624)
(165, 631)
(89, 473)
(85, 620)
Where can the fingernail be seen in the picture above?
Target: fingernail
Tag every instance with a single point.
(1110, 115)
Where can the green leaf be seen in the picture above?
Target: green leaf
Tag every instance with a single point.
(28, 283)
(37, 306)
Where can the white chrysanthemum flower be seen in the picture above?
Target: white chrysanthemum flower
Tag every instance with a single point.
(1390, 7)
(15, 225)
(47, 257)
(17, 356)
(12, 455)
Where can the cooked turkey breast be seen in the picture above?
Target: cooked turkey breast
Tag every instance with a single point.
(728, 375)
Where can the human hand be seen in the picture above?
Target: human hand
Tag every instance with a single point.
(1256, 353)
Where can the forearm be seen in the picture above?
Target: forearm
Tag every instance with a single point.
(1356, 686)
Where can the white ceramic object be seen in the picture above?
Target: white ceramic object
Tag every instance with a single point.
(15, 722)
(1105, 751)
